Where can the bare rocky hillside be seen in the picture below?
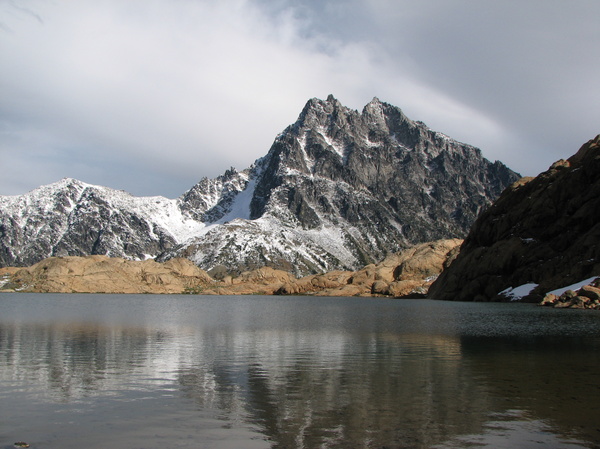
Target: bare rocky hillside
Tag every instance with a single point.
(542, 231)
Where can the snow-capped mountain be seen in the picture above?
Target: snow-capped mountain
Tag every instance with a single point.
(74, 218)
(337, 189)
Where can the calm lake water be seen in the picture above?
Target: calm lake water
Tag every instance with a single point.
(146, 371)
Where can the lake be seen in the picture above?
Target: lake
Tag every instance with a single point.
(150, 371)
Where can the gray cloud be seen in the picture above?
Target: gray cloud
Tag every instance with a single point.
(150, 97)
(528, 66)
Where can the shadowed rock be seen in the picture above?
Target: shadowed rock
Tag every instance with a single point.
(543, 230)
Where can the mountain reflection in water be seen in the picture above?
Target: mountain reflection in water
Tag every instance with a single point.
(143, 371)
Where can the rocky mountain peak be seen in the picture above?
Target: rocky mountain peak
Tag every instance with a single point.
(320, 114)
(338, 189)
(375, 108)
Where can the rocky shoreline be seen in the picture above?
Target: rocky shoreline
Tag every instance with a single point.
(407, 273)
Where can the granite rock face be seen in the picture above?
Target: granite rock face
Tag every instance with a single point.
(407, 273)
(338, 190)
(101, 274)
(543, 230)
(341, 189)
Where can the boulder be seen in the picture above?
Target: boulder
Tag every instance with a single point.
(591, 292)
(586, 297)
(580, 302)
(549, 300)
(380, 287)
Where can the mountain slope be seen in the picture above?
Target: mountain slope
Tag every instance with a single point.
(74, 218)
(338, 189)
(542, 231)
(341, 189)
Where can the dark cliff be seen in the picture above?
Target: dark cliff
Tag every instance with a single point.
(543, 230)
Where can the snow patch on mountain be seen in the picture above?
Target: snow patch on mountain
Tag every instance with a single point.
(240, 208)
(336, 146)
(168, 216)
(332, 238)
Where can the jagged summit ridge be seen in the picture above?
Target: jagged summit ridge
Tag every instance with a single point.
(346, 188)
(337, 189)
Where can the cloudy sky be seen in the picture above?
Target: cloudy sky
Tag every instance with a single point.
(150, 96)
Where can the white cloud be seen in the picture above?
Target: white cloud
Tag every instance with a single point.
(192, 88)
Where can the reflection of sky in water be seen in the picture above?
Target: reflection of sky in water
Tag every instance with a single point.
(283, 372)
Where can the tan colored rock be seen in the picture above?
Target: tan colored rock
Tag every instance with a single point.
(398, 275)
(549, 300)
(568, 295)
(365, 276)
(101, 274)
(425, 260)
(591, 292)
(563, 304)
(186, 267)
(264, 275)
(561, 163)
(580, 302)
(380, 287)
(334, 279)
(315, 283)
(262, 281)
(587, 297)
(406, 288)
(347, 290)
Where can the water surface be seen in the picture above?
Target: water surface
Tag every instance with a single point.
(146, 371)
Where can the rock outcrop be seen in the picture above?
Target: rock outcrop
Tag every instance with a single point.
(407, 273)
(101, 274)
(339, 189)
(543, 230)
(262, 281)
